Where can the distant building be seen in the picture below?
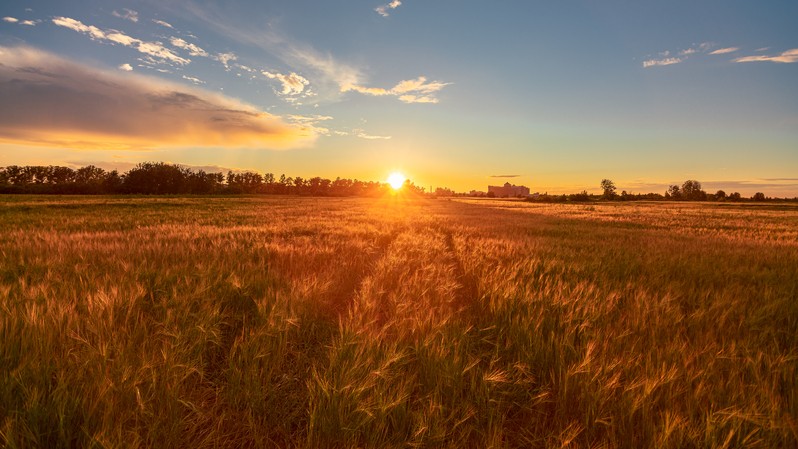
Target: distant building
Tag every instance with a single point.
(508, 190)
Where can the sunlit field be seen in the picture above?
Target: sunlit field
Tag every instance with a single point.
(374, 323)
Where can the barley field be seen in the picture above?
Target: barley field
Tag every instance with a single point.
(215, 322)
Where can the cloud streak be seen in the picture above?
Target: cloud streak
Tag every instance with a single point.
(154, 49)
(667, 57)
(787, 57)
(49, 101)
(723, 51)
(661, 62)
(409, 91)
(162, 23)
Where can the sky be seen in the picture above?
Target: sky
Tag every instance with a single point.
(552, 94)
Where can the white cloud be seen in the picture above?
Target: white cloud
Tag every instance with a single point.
(225, 59)
(723, 51)
(292, 83)
(383, 9)
(193, 79)
(29, 22)
(661, 62)
(162, 23)
(126, 67)
(193, 49)
(92, 109)
(362, 135)
(10, 19)
(127, 14)
(409, 91)
(154, 49)
(787, 57)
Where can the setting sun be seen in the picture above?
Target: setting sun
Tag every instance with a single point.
(396, 180)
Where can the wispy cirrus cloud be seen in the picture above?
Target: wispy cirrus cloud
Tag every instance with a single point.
(360, 134)
(127, 14)
(329, 75)
(383, 10)
(668, 57)
(314, 122)
(417, 90)
(93, 109)
(153, 49)
(723, 51)
(505, 176)
(787, 57)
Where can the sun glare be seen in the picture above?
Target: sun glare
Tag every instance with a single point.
(396, 180)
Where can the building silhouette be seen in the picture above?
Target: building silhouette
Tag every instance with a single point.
(508, 190)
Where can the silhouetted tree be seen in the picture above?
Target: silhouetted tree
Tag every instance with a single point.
(673, 193)
(758, 196)
(156, 178)
(691, 190)
(609, 189)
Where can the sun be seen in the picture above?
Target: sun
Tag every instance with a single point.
(396, 180)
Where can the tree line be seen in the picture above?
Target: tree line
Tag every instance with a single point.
(159, 178)
(690, 190)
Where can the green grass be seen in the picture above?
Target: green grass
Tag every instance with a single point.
(285, 322)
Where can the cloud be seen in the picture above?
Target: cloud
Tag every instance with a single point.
(127, 14)
(192, 49)
(10, 19)
(723, 51)
(225, 59)
(162, 23)
(383, 9)
(193, 79)
(505, 176)
(661, 62)
(787, 57)
(666, 58)
(312, 122)
(362, 135)
(126, 67)
(49, 101)
(292, 83)
(154, 49)
(409, 91)
(330, 76)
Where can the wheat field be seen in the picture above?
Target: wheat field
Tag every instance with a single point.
(227, 322)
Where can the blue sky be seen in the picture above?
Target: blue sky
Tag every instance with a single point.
(555, 95)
